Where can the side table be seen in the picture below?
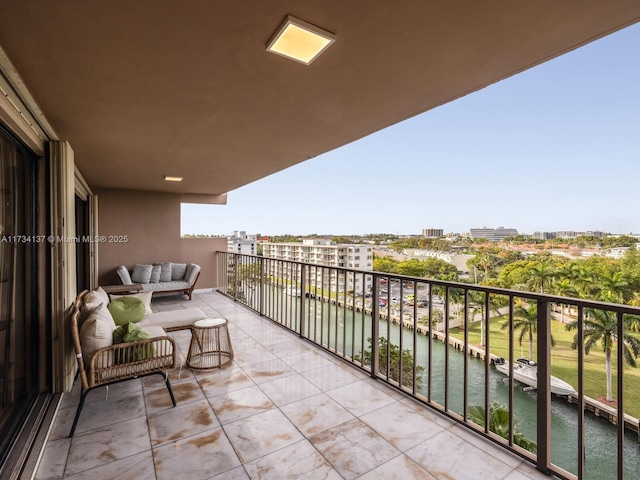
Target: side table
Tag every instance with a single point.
(210, 345)
(122, 289)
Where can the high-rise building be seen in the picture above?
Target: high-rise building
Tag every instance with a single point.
(432, 232)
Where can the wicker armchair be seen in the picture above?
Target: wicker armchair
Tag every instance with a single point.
(120, 362)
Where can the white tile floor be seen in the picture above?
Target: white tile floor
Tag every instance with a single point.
(283, 410)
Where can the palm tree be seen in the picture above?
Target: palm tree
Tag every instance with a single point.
(477, 304)
(525, 321)
(612, 287)
(542, 275)
(602, 326)
(564, 288)
(499, 424)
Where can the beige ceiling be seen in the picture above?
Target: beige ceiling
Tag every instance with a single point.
(147, 88)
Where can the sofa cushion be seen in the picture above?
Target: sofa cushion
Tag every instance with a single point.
(165, 272)
(96, 332)
(165, 286)
(191, 273)
(124, 275)
(173, 319)
(92, 300)
(155, 273)
(141, 273)
(145, 297)
(126, 309)
(178, 270)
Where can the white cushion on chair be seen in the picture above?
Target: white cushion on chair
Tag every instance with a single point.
(96, 332)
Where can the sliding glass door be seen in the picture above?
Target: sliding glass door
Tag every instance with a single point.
(18, 280)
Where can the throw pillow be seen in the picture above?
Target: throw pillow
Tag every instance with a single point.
(192, 272)
(145, 297)
(96, 332)
(130, 332)
(141, 273)
(165, 272)
(123, 273)
(126, 309)
(155, 274)
(178, 270)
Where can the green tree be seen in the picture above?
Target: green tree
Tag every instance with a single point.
(541, 276)
(525, 322)
(498, 423)
(564, 288)
(612, 287)
(394, 363)
(384, 264)
(601, 326)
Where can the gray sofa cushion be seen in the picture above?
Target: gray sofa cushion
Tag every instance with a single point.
(123, 273)
(192, 273)
(178, 270)
(163, 286)
(165, 272)
(141, 273)
(155, 274)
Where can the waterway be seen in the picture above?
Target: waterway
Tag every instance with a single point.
(336, 326)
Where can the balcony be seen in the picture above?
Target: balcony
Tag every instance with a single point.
(285, 409)
(458, 367)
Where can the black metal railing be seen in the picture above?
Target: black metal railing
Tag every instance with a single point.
(409, 332)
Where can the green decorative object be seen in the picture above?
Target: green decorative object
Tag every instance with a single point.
(130, 332)
(126, 310)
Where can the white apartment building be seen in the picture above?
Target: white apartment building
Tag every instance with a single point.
(240, 242)
(324, 252)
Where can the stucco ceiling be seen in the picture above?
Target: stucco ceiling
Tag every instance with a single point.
(147, 88)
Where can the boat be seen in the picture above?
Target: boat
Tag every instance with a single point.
(526, 371)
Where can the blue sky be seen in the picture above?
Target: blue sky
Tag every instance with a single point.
(554, 148)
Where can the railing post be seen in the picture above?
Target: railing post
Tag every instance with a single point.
(303, 298)
(236, 286)
(375, 327)
(262, 285)
(544, 386)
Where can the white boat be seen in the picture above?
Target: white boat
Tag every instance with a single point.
(526, 371)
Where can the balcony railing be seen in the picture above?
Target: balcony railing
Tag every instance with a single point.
(420, 336)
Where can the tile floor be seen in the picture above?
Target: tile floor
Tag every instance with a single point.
(284, 410)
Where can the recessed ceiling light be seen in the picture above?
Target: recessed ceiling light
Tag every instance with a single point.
(299, 40)
(169, 178)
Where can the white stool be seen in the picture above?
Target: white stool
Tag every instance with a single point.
(210, 345)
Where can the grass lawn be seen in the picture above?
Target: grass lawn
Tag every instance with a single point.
(564, 361)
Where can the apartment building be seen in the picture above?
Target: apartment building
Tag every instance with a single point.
(240, 242)
(493, 234)
(324, 252)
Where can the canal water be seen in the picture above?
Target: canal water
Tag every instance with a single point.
(336, 326)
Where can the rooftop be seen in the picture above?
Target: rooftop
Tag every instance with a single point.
(285, 409)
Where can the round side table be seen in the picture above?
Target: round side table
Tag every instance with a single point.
(210, 345)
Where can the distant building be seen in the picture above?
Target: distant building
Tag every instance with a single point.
(544, 235)
(240, 242)
(321, 251)
(493, 234)
(456, 259)
(432, 232)
(567, 234)
(617, 252)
